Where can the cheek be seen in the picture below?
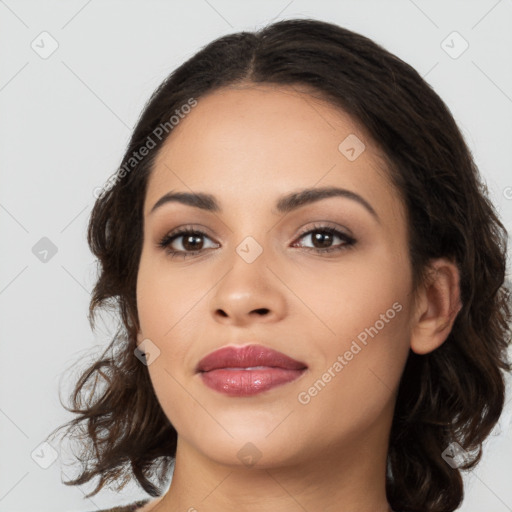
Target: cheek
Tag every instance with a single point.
(171, 313)
(365, 310)
(358, 381)
(163, 298)
(351, 295)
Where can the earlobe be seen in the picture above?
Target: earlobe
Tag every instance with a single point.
(437, 307)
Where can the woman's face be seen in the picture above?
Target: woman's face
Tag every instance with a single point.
(258, 276)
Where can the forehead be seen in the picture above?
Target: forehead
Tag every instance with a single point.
(245, 142)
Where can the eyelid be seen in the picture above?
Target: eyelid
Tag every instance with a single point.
(322, 224)
(188, 227)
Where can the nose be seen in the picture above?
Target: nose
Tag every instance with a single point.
(248, 293)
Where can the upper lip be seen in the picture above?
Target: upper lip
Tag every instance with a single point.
(247, 356)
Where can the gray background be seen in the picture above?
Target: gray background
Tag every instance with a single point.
(65, 121)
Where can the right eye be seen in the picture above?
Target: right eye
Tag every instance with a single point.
(191, 242)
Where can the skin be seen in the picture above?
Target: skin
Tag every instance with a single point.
(248, 145)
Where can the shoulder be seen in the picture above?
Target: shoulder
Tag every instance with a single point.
(132, 507)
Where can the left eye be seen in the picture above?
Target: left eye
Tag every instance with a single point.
(324, 235)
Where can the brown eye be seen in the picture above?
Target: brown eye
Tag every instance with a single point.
(323, 237)
(191, 241)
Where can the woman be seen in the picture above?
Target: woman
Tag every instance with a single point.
(310, 280)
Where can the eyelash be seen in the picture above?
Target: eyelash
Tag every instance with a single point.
(167, 240)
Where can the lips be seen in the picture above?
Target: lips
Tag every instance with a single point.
(248, 370)
(248, 356)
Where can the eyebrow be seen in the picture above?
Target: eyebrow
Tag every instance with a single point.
(285, 204)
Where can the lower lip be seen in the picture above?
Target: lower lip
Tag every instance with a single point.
(248, 382)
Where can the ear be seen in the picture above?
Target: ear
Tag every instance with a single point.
(437, 306)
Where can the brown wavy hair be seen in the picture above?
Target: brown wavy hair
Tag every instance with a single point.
(454, 394)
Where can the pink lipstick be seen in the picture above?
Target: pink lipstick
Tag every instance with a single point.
(248, 370)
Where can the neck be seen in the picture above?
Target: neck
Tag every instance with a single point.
(345, 478)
